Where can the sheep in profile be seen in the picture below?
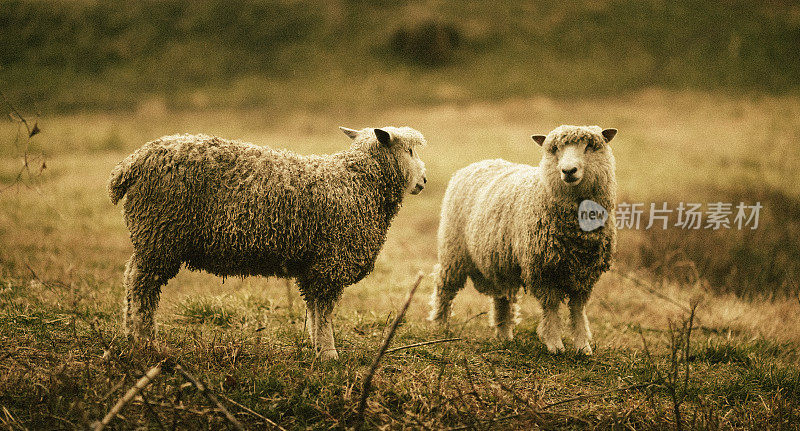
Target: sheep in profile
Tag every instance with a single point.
(506, 225)
(233, 208)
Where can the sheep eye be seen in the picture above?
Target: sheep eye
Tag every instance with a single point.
(411, 151)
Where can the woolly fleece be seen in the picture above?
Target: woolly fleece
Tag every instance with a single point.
(234, 208)
(507, 225)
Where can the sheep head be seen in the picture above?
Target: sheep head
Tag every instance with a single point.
(577, 159)
(403, 143)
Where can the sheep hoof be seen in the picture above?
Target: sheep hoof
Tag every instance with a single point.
(438, 320)
(140, 338)
(555, 348)
(586, 350)
(328, 355)
(504, 334)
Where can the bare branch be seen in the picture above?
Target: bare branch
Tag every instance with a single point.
(599, 394)
(27, 159)
(254, 413)
(424, 343)
(141, 384)
(382, 351)
(210, 395)
(19, 116)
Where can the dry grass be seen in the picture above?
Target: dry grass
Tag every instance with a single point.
(63, 245)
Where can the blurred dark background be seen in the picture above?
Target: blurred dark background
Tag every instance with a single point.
(101, 55)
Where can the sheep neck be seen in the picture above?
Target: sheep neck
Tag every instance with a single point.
(381, 177)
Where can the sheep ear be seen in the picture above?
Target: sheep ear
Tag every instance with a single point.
(349, 132)
(609, 134)
(539, 139)
(383, 137)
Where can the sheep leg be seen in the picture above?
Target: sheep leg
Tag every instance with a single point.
(505, 315)
(142, 292)
(580, 324)
(502, 312)
(311, 326)
(503, 321)
(324, 344)
(447, 283)
(549, 329)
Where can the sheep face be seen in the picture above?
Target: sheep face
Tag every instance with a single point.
(576, 158)
(403, 144)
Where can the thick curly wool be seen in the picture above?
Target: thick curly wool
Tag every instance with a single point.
(507, 225)
(234, 208)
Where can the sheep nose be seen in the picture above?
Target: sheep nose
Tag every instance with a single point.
(569, 171)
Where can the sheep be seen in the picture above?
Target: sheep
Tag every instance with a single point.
(506, 225)
(238, 209)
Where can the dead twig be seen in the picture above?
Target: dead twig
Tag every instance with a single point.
(424, 343)
(649, 289)
(474, 422)
(27, 158)
(599, 394)
(362, 405)
(11, 420)
(151, 374)
(679, 350)
(125, 363)
(687, 348)
(210, 395)
(535, 414)
(471, 381)
(254, 413)
(464, 325)
(177, 407)
(31, 130)
(501, 418)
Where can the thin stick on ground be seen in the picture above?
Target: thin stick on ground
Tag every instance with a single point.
(501, 418)
(254, 413)
(382, 351)
(535, 414)
(423, 343)
(177, 407)
(10, 420)
(210, 395)
(599, 394)
(142, 383)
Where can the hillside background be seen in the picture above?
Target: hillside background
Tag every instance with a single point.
(89, 55)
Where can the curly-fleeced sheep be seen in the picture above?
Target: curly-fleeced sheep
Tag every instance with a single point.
(506, 225)
(233, 208)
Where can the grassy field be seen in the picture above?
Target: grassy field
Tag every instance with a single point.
(63, 363)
